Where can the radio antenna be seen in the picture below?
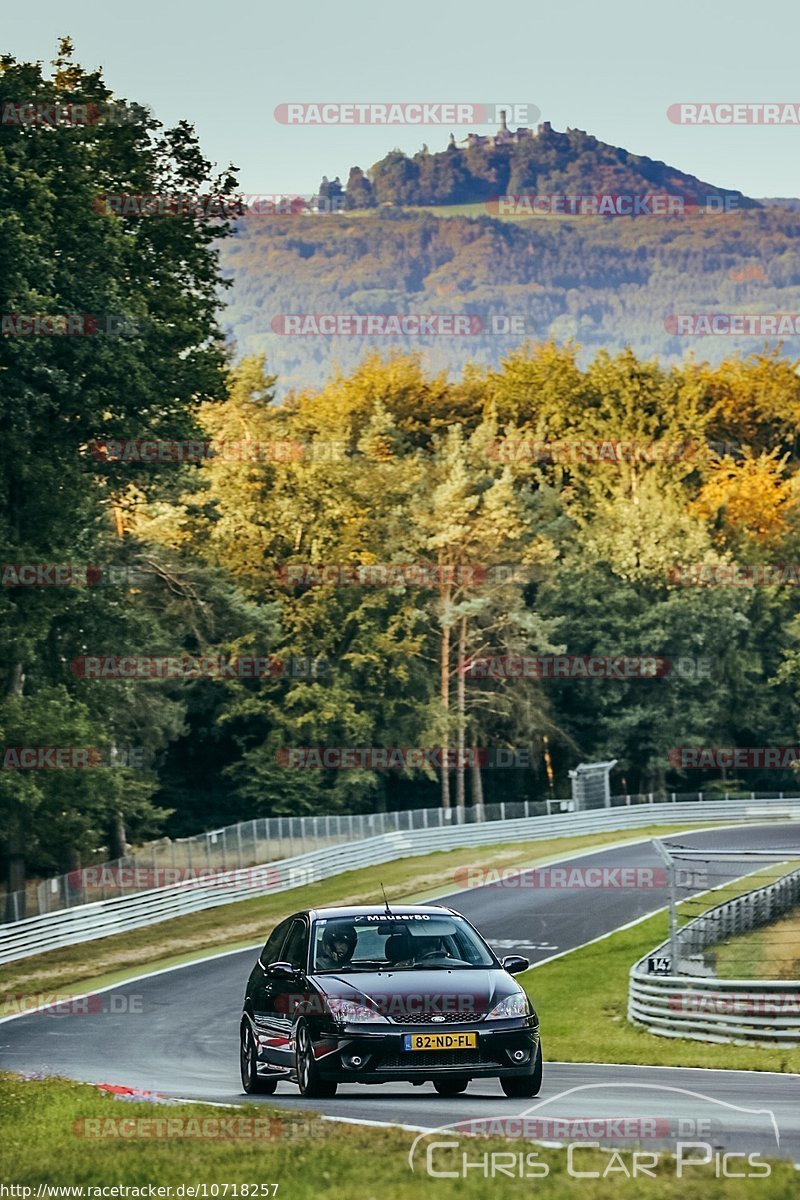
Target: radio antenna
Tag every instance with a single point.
(386, 900)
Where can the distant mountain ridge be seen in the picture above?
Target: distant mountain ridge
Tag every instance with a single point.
(541, 161)
(606, 282)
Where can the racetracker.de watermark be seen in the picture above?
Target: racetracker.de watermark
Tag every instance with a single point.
(216, 207)
(735, 575)
(559, 666)
(743, 1004)
(733, 324)
(610, 450)
(737, 758)
(393, 1004)
(630, 878)
(737, 112)
(212, 1129)
(402, 574)
(57, 575)
(190, 450)
(607, 204)
(49, 325)
(413, 325)
(584, 450)
(212, 666)
(67, 1004)
(564, 666)
(40, 114)
(74, 758)
(139, 878)
(584, 1129)
(405, 112)
(404, 758)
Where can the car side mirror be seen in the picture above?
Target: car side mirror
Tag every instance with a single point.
(514, 963)
(282, 970)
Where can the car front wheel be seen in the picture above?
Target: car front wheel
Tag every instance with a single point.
(451, 1087)
(525, 1085)
(252, 1082)
(308, 1076)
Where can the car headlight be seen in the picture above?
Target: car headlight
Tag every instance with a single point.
(351, 1012)
(515, 1005)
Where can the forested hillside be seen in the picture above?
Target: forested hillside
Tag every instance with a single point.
(604, 282)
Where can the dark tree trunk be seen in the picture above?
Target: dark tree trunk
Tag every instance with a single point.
(15, 841)
(445, 701)
(477, 782)
(15, 875)
(461, 693)
(117, 840)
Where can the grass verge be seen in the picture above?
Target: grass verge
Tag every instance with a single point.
(473, 210)
(769, 953)
(109, 960)
(43, 1133)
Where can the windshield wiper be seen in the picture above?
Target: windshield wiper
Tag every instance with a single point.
(348, 969)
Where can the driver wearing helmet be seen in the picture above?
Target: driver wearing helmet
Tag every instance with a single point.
(336, 948)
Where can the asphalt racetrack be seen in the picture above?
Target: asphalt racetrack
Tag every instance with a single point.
(176, 1032)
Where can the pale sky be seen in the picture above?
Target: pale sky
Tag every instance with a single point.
(611, 69)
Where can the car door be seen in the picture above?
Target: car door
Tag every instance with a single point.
(261, 997)
(289, 994)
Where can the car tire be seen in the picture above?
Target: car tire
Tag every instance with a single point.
(308, 1076)
(451, 1087)
(525, 1085)
(253, 1083)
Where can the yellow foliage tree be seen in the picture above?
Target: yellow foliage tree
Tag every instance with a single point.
(750, 504)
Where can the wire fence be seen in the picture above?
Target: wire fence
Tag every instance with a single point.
(271, 839)
(104, 918)
(729, 970)
(723, 935)
(726, 910)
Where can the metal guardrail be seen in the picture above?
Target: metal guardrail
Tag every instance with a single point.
(262, 840)
(35, 935)
(721, 1010)
(752, 910)
(266, 839)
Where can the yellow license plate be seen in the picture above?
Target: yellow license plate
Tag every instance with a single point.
(440, 1041)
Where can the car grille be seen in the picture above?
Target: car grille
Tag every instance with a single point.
(434, 1059)
(417, 1018)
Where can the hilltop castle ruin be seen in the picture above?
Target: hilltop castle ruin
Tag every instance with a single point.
(503, 137)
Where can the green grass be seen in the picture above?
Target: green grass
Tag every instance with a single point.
(485, 210)
(41, 1124)
(582, 1002)
(769, 953)
(478, 209)
(110, 960)
(437, 210)
(772, 952)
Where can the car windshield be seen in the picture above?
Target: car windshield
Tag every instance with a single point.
(397, 943)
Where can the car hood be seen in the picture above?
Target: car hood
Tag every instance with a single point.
(421, 993)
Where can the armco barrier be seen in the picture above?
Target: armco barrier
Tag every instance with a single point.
(717, 1010)
(245, 844)
(267, 839)
(721, 1010)
(67, 927)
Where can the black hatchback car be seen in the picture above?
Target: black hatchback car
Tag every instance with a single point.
(372, 995)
